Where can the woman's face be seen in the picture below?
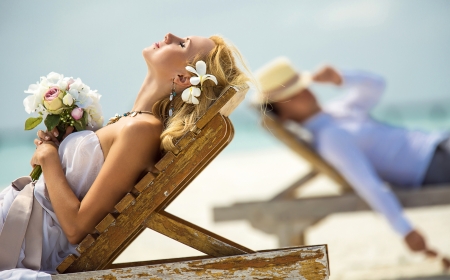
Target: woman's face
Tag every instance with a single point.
(172, 54)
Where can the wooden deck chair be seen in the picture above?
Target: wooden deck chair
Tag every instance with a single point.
(144, 208)
(288, 217)
(302, 147)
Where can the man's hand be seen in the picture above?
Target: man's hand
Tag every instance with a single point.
(327, 74)
(416, 243)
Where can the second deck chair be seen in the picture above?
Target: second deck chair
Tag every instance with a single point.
(290, 216)
(144, 207)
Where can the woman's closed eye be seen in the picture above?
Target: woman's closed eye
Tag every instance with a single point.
(182, 44)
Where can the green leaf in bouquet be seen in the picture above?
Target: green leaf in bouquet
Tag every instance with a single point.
(85, 119)
(31, 122)
(52, 121)
(79, 125)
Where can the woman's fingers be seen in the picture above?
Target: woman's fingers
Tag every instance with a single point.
(37, 142)
(49, 135)
(54, 132)
(52, 135)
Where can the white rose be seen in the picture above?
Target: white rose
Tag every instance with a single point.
(54, 78)
(30, 104)
(62, 84)
(68, 99)
(36, 98)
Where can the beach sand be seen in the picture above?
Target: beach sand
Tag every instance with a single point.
(361, 245)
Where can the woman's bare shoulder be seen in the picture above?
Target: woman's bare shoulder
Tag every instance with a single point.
(143, 135)
(141, 129)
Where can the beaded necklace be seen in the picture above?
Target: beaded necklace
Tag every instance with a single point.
(127, 114)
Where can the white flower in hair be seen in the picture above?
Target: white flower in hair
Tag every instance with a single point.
(189, 95)
(200, 71)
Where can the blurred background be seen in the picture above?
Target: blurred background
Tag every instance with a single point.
(406, 41)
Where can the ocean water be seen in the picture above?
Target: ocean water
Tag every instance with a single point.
(16, 146)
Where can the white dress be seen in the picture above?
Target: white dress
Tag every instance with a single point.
(81, 159)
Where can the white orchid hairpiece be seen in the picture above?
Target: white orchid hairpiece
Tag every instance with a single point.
(190, 94)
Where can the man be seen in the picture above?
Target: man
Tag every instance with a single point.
(366, 152)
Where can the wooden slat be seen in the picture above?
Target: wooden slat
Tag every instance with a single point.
(144, 182)
(127, 223)
(66, 263)
(124, 203)
(86, 243)
(194, 236)
(105, 223)
(215, 108)
(165, 161)
(310, 262)
(186, 139)
(234, 101)
(153, 262)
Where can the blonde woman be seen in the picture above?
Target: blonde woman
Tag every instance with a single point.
(91, 171)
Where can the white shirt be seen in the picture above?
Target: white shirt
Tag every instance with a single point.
(367, 152)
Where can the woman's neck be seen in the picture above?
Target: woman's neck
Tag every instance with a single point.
(152, 90)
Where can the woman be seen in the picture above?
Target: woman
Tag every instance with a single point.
(90, 172)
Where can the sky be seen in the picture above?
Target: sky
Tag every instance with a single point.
(406, 41)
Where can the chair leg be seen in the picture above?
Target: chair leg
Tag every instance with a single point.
(194, 236)
(288, 193)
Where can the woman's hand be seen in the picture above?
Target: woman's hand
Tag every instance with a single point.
(44, 150)
(51, 136)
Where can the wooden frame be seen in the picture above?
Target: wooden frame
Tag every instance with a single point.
(144, 207)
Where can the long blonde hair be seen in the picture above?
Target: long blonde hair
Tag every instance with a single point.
(220, 62)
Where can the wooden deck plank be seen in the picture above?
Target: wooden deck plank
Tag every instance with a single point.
(309, 262)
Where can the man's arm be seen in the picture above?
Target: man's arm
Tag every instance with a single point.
(339, 149)
(363, 88)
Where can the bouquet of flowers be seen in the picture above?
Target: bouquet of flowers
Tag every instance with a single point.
(61, 102)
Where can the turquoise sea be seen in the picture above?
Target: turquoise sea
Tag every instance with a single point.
(16, 146)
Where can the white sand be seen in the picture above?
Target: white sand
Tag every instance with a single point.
(361, 245)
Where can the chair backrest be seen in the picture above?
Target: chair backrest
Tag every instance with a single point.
(153, 193)
(302, 148)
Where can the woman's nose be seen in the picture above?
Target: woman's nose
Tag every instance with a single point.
(169, 38)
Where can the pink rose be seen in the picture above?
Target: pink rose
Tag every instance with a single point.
(53, 100)
(77, 113)
(51, 94)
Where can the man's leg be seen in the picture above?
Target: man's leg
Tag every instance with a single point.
(438, 171)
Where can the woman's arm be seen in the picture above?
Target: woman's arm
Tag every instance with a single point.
(132, 152)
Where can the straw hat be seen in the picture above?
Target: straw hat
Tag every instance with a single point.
(278, 80)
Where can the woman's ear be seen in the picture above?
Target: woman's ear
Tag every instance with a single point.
(182, 80)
